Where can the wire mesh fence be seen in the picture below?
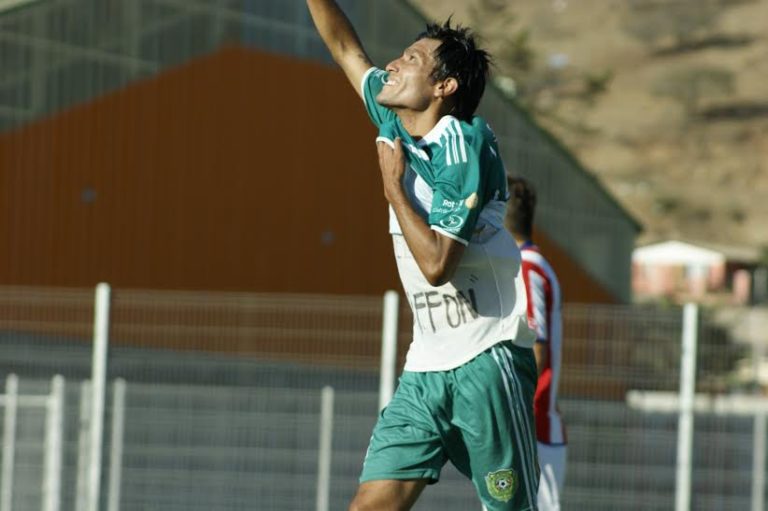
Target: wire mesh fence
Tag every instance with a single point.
(223, 402)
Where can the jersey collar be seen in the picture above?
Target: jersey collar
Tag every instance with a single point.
(433, 137)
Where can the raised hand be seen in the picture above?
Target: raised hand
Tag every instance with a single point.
(392, 165)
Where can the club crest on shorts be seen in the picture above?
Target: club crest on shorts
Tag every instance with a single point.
(501, 484)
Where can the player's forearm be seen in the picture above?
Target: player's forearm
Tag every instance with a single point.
(335, 29)
(436, 263)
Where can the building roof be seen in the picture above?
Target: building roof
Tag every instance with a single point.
(688, 252)
(102, 46)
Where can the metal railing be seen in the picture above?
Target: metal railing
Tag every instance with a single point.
(216, 418)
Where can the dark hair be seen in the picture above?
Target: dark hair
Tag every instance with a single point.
(459, 57)
(522, 206)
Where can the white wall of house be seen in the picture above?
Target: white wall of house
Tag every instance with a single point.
(677, 269)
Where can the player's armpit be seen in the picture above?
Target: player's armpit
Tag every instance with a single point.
(355, 66)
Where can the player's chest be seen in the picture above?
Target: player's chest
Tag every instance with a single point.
(420, 161)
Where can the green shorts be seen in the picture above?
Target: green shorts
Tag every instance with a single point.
(479, 416)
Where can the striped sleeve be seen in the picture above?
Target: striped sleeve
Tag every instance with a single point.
(539, 293)
(458, 196)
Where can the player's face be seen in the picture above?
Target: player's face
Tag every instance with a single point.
(410, 84)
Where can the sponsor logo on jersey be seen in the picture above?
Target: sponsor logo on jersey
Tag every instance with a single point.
(501, 484)
(449, 204)
(452, 223)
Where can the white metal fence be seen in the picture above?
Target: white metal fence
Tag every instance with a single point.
(247, 401)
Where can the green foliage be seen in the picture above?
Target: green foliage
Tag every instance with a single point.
(701, 214)
(676, 22)
(491, 6)
(690, 85)
(497, 22)
(718, 354)
(666, 204)
(519, 69)
(596, 83)
(764, 256)
(737, 214)
(516, 54)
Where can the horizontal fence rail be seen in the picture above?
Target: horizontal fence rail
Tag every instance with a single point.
(222, 404)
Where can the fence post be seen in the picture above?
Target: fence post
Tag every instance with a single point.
(53, 445)
(83, 443)
(759, 430)
(685, 423)
(758, 462)
(388, 347)
(116, 445)
(98, 388)
(9, 441)
(324, 451)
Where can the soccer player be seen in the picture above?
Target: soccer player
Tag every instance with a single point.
(543, 291)
(466, 393)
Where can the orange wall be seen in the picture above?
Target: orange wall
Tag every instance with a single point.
(240, 171)
(222, 174)
(575, 283)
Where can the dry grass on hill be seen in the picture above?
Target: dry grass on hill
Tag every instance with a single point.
(666, 101)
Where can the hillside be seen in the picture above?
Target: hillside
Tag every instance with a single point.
(666, 104)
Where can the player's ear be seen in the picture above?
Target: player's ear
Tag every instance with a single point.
(447, 87)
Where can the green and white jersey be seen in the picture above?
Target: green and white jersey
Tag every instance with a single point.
(456, 182)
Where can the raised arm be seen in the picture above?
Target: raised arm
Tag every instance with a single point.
(339, 36)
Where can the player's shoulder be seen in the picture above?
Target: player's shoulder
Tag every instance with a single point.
(372, 82)
(531, 254)
(481, 129)
(375, 73)
(535, 260)
(477, 131)
(451, 132)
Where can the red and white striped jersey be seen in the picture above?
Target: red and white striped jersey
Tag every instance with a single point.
(544, 318)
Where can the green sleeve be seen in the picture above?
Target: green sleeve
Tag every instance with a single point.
(373, 82)
(460, 188)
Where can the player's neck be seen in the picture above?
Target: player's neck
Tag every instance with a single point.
(418, 124)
